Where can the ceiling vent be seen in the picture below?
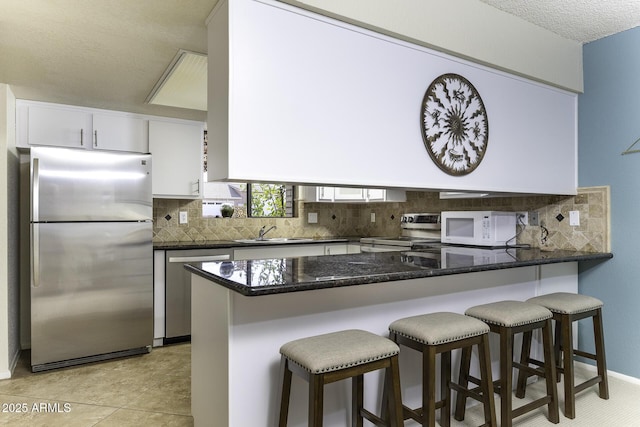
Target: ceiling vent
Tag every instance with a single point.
(184, 83)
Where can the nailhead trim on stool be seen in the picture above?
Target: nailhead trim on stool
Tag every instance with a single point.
(331, 357)
(508, 318)
(440, 333)
(568, 308)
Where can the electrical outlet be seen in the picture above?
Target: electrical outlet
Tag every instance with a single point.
(522, 218)
(312, 218)
(183, 217)
(534, 219)
(373, 217)
(574, 218)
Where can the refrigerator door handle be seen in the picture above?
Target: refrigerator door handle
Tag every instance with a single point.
(35, 255)
(35, 190)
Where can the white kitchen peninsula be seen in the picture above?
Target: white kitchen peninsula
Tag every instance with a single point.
(241, 317)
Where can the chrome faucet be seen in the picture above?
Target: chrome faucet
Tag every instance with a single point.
(262, 231)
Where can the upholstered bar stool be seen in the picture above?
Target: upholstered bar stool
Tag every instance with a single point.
(568, 308)
(327, 358)
(440, 333)
(508, 318)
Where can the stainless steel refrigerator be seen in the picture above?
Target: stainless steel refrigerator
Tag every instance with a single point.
(91, 256)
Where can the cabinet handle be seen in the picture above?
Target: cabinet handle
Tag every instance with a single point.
(95, 138)
(198, 187)
(81, 137)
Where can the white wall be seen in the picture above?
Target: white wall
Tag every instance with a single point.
(468, 29)
(9, 288)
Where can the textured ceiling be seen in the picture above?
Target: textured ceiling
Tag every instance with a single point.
(110, 53)
(580, 20)
(98, 53)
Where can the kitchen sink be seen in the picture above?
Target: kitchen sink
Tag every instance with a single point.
(275, 240)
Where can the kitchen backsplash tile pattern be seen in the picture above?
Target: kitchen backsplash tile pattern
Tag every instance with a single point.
(354, 219)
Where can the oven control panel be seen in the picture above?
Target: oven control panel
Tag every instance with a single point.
(428, 221)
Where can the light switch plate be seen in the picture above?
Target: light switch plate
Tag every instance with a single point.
(183, 217)
(312, 218)
(574, 218)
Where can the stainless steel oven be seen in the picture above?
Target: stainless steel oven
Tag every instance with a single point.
(416, 228)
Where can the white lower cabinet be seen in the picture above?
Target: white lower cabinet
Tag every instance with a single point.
(283, 251)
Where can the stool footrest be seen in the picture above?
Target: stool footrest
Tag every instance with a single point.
(373, 418)
(472, 393)
(529, 370)
(530, 406)
(584, 354)
(588, 383)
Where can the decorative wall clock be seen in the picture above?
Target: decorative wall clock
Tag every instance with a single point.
(454, 124)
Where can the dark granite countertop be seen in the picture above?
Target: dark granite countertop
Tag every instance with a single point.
(223, 244)
(283, 275)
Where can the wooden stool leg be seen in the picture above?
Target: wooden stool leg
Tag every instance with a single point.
(506, 377)
(316, 400)
(486, 381)
(429, 386)
(524, 359)
(463, 381)
(550, 372)
(357, 400)
(601, 362)
(557, 346)
(445, 388)
(567, 362)
(394, 397)
(286, 391)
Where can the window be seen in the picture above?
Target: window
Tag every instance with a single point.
(257, 200)
(270, 200)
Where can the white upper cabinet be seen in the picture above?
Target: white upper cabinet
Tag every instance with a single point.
(54, 126)
(41, 123)
(120, 133)
(351, 195)
(354, 99)
(177, 157)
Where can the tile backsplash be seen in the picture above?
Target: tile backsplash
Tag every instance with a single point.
(354, 219)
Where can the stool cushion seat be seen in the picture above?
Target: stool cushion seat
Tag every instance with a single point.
(567, 303)
(438, 328)
(338, 350)
(509, 313)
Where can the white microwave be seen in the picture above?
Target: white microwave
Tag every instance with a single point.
(478, 228)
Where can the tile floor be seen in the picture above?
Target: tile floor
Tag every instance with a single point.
(149, 390)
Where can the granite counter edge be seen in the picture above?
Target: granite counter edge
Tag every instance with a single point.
(378, 278)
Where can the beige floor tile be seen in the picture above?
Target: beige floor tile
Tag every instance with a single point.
(18, 411)
(152, 389)
(131, 418)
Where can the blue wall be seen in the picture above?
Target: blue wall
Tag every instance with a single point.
(608, 123)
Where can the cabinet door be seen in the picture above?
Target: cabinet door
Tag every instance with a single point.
(60, 127)
(324, 194)
(376, 194)
(120, 133)
(177, 158)
(283, 251)
(344, 193)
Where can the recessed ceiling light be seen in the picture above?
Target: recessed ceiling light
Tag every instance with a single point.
(184, 82)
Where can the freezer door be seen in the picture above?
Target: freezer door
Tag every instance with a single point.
(91, 289)
(78, 185)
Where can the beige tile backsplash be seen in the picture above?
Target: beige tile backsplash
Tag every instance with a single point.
(354, 219)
